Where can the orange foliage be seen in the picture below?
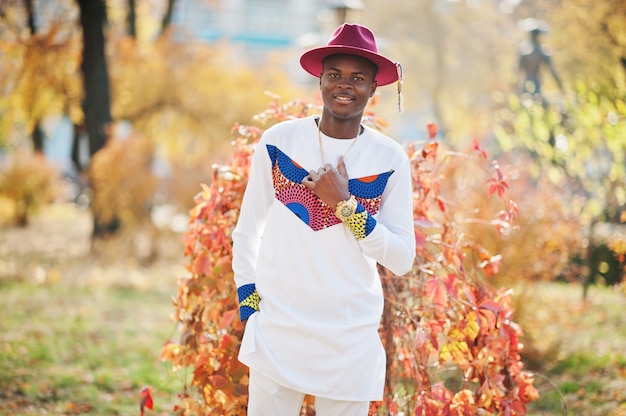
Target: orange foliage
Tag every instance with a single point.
(29, 182)
(441, 315)
(122, 179)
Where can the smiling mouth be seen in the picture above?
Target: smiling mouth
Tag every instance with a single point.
(343, 98)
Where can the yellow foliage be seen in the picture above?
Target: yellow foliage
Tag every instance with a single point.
(186, 95)
(29, 182)
(471, 329)
(597, 31)
(123, 181)
(39, 78)
(456, 349)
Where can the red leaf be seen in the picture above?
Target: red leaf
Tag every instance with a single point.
(518, 408)
(435, 327)
(146, 400)
(436, 292)
(430, 150)
(491, 266)
(218, 381)
(450, 281)
(432, 130)
(420, 240)
(227, 342)
(480, 151)
(490, 305)
(442, 206)
(227, 319)
(201, 263)
(498, 184)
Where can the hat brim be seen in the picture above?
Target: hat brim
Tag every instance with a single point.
(312, 60)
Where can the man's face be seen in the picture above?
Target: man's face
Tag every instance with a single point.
(347, 82)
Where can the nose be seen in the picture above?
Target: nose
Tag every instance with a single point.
(345, 82)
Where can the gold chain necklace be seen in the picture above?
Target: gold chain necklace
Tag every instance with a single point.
(319, 139)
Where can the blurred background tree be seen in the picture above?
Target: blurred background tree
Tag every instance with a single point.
(131, 79)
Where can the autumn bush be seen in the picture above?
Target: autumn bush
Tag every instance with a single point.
(549, 231)
(28, 181)
(451, 343)
(571, 153)
(123, 187)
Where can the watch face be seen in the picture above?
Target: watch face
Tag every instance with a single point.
(346, 210)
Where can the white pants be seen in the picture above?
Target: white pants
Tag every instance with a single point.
(266, 398)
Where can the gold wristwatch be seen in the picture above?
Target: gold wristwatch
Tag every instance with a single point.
(346, 209)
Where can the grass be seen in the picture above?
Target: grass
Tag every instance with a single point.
(577, 348)
(78, 335)
(82, 335)
(71, 350)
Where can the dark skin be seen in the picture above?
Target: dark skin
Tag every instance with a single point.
(347, 82)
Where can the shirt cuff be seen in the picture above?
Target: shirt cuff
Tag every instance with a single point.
(249, 300)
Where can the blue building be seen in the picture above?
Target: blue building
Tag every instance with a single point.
(261, 26)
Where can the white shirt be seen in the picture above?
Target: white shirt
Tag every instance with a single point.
(321, 295)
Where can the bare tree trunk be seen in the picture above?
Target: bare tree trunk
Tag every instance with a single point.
(37, 137)
(31, 16)
(37, 133)
(96, 101)
(131, 19)
(167, 18)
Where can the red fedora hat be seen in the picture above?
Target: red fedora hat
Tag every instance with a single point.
(351, 39)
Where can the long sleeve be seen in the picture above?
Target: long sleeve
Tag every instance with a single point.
(391, 241)
(247, 234)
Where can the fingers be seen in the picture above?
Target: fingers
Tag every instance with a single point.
(326, 168)
(310, 179)
(315, 175)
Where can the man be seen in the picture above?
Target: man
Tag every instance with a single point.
(327, 199)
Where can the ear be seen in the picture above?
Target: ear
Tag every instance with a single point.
(373, 88)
